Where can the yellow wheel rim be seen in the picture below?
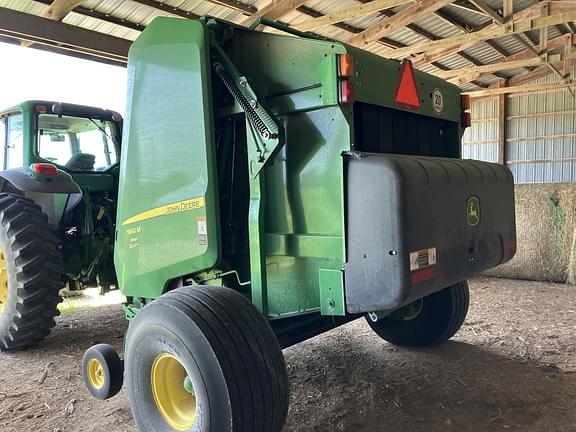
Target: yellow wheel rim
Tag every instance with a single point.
(173, 392)
(3, 281)
(96, 374)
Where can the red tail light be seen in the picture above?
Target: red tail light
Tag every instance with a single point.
(44, 169)
(466, 104)
(466, 120)
(423, 275)
(346, 92)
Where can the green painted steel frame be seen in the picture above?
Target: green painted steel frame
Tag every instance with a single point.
(296, 202)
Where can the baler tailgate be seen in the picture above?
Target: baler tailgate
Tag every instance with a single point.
(418, 224)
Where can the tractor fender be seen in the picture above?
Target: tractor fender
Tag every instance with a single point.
(26, 180)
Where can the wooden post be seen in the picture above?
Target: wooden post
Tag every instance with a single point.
(502, 124)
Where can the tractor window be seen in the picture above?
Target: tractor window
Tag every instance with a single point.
(79, 144)
(15, 142)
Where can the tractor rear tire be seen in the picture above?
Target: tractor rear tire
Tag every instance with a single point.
(205, 359)
(30, 273)
(440, 316)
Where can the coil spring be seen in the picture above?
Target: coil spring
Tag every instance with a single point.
(251, 113)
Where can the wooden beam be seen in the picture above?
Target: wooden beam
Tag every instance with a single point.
(81, 10)
(391, 24)
(349, 13)
(238, 6)
(167, 8)
(503, 20)
(275, 9)
(488, 10)
(568, 49)
(60, 8)
(502, 124)
(562, 5)
(347, 27)
(437, 54)
(467, 7)
(527, 88)
(467, 74)
(518, 60)
(524, 40)
(535, 74)
(63, 38)
(507, 10)
(493, 31)
(56, 11)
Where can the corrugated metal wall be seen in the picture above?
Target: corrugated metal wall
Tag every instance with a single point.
(541, 135)
(481, 140)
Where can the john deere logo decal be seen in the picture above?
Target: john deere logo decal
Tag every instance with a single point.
(473, 211)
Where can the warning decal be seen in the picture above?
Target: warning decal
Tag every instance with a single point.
(202, 231)
(422, 259)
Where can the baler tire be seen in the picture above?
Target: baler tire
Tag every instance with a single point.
(33, 269)
(441, 316)
(226, 350)
(103, 371)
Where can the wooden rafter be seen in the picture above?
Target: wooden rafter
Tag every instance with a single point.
(480, 4)
(534, 22)
(58, 9)
(467, 7)
(526, 88)
(437, 54)
(391, 24)
(167, 8)
(62, 38)
(556, 12)
(276, 9)
(349, 13)
(238, 6)
(535, 74)
(462, 76)
(519, 60)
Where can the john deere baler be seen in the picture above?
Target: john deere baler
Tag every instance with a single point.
(273, 187)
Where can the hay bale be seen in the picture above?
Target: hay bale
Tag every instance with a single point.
(545, 223)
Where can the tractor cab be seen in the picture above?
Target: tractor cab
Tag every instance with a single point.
(59, 162)
(76, 143)
(75, 138)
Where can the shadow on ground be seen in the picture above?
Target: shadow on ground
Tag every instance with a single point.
(503, 371)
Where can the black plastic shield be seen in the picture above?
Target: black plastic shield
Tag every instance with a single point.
(416, 225)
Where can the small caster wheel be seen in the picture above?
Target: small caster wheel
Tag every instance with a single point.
(103, 371)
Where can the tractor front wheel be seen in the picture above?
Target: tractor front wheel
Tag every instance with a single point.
(205, 359)
(30, 273)
(429, 321)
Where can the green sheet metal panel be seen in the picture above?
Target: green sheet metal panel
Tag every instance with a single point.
(294, 74)
(168, 223)
(376, 80)
(304, 217)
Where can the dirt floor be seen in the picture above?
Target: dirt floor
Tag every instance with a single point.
(511, 367)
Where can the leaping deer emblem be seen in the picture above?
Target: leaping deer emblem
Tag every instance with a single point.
(473, 211)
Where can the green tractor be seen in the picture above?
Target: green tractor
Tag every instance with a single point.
(58, 194)
(274, 187)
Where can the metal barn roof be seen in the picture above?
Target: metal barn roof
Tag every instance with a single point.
(474, 43)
